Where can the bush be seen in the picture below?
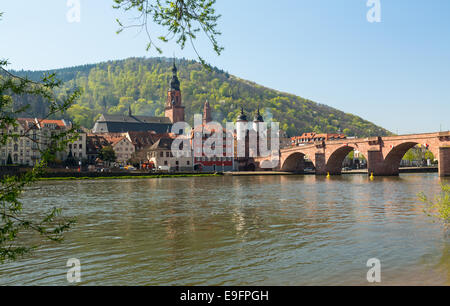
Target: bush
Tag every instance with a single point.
(439, 208)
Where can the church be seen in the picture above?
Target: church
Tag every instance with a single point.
(174, 112)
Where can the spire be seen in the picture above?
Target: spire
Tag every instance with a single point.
(129, 111)
(258, 117)
(207, 116)
(242, 116)
(174, 68)
(174, 83)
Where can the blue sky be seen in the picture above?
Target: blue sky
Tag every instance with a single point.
(395, 73)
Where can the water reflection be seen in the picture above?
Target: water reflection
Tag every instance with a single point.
(268, 230)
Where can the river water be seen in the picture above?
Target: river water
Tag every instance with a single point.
(258, 230)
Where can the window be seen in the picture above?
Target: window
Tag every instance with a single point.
(165, 163)
(161, 154)
(188, 163)
(80, 146)
(167, 154)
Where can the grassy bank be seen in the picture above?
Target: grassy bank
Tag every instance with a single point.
(125, 177)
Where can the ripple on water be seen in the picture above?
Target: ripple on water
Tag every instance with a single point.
(287, 230)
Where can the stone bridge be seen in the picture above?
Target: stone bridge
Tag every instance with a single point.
(383, 154)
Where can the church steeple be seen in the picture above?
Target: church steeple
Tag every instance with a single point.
(175, 82)
(242, 117)
(174, 109)
(258, 117)
(207, 116)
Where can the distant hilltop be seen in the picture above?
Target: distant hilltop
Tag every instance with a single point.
(141, 84)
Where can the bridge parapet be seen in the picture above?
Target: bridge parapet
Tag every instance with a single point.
(444, 136)
(320, 144)
(372, 141)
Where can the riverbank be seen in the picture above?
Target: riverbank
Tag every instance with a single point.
(401, 170)
(359, 171)
(122, 176)
(71, 175)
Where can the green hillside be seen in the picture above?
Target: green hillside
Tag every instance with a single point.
(111, 87)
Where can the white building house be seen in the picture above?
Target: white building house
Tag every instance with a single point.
(31, 136)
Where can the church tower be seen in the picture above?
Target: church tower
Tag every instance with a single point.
(174, 109)
(207, 117)
(256, 128)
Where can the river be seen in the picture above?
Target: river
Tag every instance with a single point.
(256, 230)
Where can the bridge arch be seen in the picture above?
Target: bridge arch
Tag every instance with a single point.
(334, 162)
(394, 157)
(295, 162)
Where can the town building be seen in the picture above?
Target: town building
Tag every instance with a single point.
(94, 144)
(78, 146)
(33, 137)
(131, 123)
(199, 137)
(122, 146)
(244, 131)
(161, 158)
(142, 142)
(314, 137)
(174, 112)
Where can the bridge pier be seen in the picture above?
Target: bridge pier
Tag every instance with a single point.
(444, 161)
(320, 164)
(377, 165)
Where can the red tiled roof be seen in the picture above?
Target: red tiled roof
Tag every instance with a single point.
(59, 123)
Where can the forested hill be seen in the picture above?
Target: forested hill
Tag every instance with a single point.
(111, 87)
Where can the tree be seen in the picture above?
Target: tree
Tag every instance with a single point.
(107, 154)
(439, 207)
(70, 160)
(13, 222)
(178, 17)
(9, 160)
(183, 19)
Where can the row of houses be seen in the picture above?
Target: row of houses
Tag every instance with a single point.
(145, 149)
(312, 137)
(144, 141)
(30, 137)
